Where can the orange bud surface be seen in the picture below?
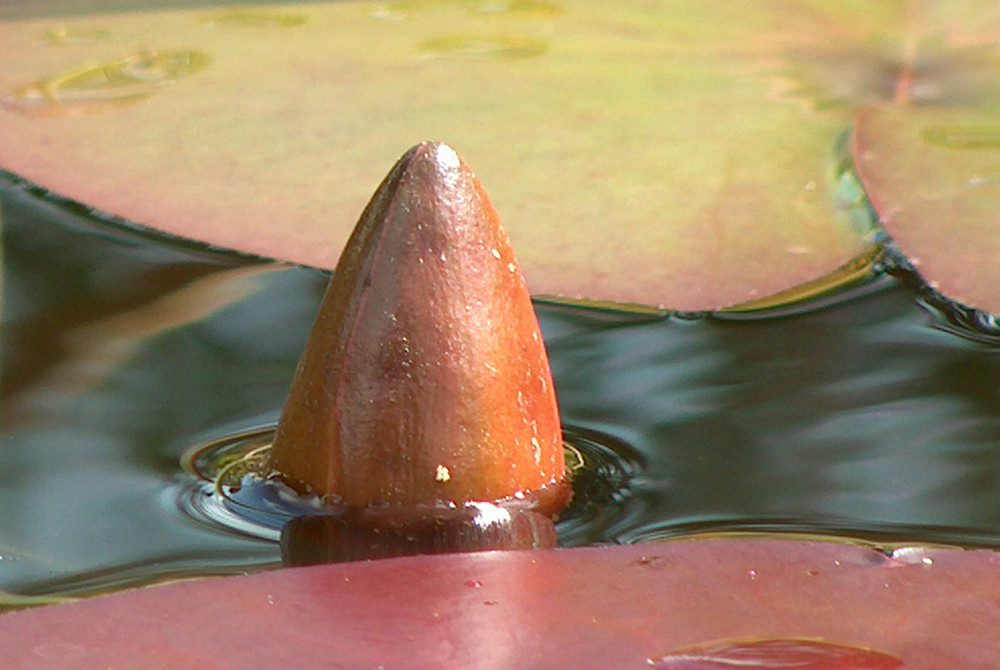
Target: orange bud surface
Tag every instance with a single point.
(425, 379)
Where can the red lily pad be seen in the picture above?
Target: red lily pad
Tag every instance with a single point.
(607, 607)
(933, 176)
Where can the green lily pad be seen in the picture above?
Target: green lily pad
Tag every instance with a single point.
(933, 175)
(676, 155)
(638, 154)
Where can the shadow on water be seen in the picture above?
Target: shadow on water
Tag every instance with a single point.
(869, 414)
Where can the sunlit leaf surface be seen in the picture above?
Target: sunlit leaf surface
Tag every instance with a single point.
(672, 154)
(767, 603)
(675, 153)
(934, 178)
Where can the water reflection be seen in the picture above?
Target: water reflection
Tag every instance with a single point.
(866, 410)
(92, 427)
(232, 486)
(873, 413)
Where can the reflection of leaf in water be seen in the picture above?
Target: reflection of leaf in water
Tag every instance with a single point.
(14, 601)
(99, 88)
(96, 350)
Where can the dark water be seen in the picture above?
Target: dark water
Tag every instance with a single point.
(871, 413)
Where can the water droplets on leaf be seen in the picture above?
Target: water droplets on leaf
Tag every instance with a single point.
(76, 35)
(522, 8)
(500, 47)
(256, 19)
(775, 654)
(525, 9)
(963, 137)
(106, 86)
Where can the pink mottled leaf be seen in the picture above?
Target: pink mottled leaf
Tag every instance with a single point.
(602, 607)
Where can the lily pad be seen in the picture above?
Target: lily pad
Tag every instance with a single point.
(933, 175)
(672, 155)
(823, 605)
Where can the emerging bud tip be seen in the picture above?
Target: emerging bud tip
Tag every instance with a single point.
(425, 378)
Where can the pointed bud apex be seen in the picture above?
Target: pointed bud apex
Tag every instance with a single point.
(425, 378)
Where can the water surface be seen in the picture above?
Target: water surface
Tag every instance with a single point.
(871, 413)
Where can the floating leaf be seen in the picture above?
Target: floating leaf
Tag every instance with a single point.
(933, 175)
(637, 154)
(604, 607)
(671, 155)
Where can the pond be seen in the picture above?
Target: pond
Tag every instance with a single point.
(870, 413)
